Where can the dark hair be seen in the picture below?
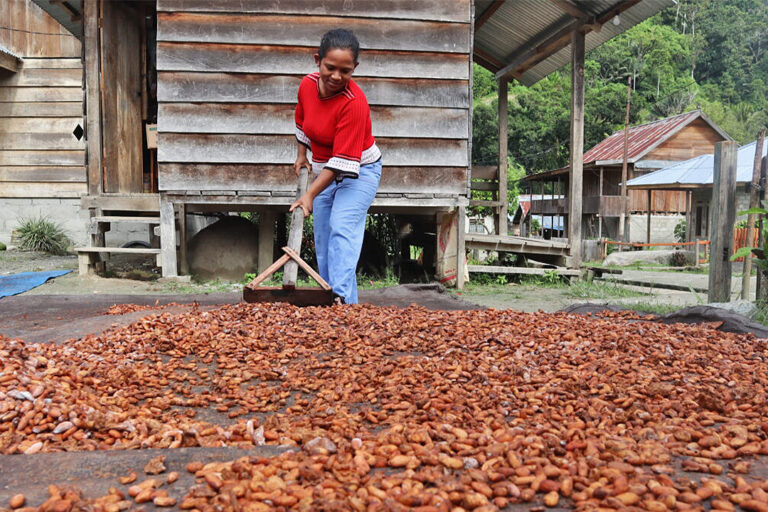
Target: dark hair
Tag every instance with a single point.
(339, 38)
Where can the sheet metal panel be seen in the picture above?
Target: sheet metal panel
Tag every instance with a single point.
(514, 27)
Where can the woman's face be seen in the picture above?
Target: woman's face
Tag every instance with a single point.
(336, 70)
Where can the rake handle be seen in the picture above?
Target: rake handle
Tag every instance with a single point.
(291, 269)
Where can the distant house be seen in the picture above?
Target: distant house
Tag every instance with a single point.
(695, 177)
(523, 219)
(652, 146)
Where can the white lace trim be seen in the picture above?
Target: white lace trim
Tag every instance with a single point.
(370, 155)
(302, 137)
(345, 167)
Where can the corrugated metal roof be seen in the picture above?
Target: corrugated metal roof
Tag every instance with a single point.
(642, 139)
(521, 24)
(698, 171)
(6, 51)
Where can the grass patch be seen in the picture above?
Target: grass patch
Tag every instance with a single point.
(600, 290)
(491, 285)
(654, 308)
(41, 234)
(762, 314)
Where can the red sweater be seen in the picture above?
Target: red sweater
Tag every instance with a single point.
(337, 129)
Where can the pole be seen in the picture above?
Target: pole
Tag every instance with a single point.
(760, 241)
(622, 217)
(723, 216)
(576, 178)
(501, 220)
(754, 201)
(648, 222)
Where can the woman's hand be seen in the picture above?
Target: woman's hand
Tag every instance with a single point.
(301, 161)
(304, 202)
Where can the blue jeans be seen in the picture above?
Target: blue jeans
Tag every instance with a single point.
(339, 220)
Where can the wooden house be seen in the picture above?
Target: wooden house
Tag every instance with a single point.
(651, 146)
(42, 158)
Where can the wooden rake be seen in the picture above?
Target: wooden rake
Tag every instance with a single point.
(305, 296)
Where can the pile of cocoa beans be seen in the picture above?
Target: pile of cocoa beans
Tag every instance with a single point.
(398, 409)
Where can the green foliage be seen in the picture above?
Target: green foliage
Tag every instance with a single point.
(535, 227)
(760, 254)
(681, 228)
(2, 246)
(41, 234)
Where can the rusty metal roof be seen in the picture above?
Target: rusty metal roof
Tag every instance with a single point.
(642, 139)
(518, 26)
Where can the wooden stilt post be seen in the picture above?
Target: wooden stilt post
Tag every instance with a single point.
(648, 221)
(460, 244)
(754, 200)
(576, 177)
(723, 217)
(183, 239)
(625, 208)
(168, 237)
(501, 220)
(688, 216)
(761, 284)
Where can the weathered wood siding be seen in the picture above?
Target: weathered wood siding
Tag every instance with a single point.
(228, 73)
(40, 106)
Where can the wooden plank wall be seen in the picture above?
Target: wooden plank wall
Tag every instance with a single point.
(228, 73)
(698, 138)
(40, 106)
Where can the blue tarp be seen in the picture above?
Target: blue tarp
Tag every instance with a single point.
(19, 283)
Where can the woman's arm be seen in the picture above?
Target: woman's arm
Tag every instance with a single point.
(319, 184)
(301, 159)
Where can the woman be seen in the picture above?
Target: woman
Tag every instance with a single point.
(333, 120)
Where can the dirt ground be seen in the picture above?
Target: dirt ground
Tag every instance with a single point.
(528, 298)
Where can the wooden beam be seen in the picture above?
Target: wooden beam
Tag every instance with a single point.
(570, 8)
(539, 46)
(723, 208)
(501, 173)
(92, 96)
(557, 37)
(486, 60)
(9, 62)
(576, 177)
(485, 16)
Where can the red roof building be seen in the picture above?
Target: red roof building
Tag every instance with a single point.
(651, 146)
